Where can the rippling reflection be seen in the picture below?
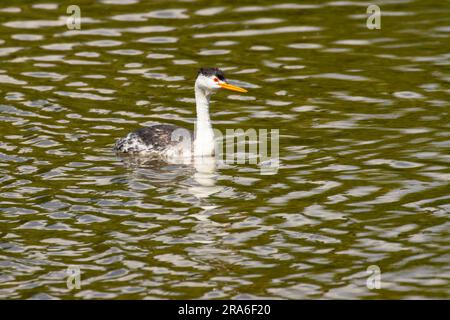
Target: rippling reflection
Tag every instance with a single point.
(363, 177)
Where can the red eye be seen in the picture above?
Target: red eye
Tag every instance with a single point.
(216, 80)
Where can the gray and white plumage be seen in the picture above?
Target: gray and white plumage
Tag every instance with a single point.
(169, 141)
(156, 139)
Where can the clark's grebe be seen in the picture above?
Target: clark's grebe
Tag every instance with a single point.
(164, 139)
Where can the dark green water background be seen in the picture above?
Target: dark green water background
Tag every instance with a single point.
(364, 150)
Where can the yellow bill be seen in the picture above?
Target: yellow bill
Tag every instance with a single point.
(231, 87)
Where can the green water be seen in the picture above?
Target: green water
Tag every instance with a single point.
(364, 150)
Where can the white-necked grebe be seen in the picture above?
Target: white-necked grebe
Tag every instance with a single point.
(164, 139)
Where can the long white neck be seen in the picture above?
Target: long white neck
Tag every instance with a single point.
(204, 135)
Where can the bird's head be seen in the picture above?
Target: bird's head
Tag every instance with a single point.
(212, 79)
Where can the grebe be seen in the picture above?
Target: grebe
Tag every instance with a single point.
(164, 139)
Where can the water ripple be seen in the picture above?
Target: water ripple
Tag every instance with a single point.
(363, 163)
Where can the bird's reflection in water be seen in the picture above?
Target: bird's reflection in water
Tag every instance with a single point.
(202, 170)
(206, 176)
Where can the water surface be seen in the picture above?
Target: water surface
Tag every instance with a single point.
(364, 150)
